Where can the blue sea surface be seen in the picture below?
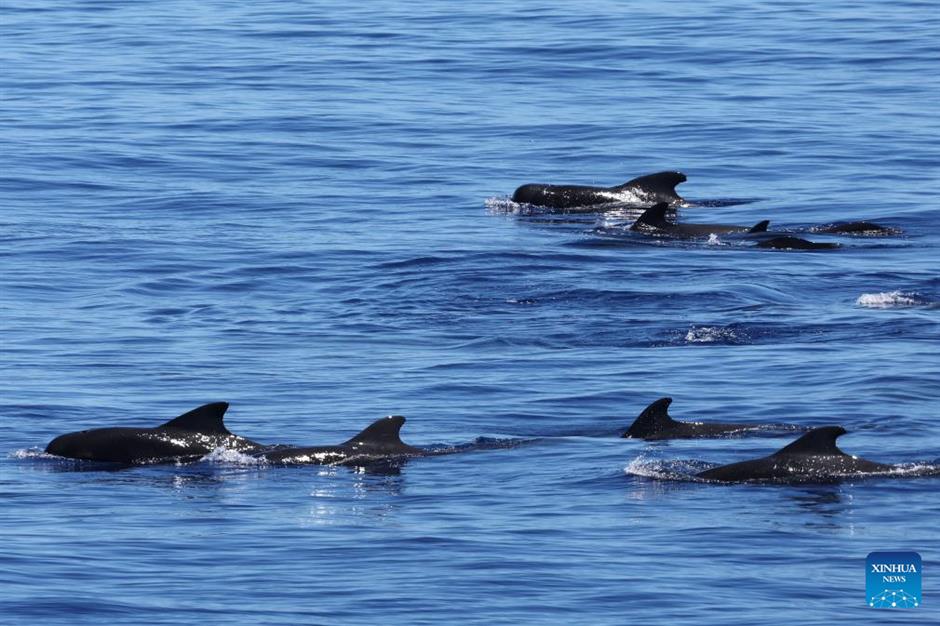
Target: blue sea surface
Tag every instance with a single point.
(302, 208)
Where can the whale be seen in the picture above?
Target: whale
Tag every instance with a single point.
(814, 457)
(654, 422)
(859, 229)
(795, 243)
(378, 442)
(654, 221)
(659, 187)
(187, 437)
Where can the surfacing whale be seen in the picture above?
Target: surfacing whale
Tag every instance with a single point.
(814, 457)
(378, 442)
(655, 423)
(188, 437)
(654, 221)
(659, 187)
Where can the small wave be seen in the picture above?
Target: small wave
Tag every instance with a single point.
(889, 299)
(480, 443)
(914, 469)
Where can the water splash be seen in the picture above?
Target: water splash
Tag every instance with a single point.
(890, 299)
(32, 453)
(660, 469)
(714, 334)
(229, 456)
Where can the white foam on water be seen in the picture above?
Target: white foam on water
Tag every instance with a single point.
(502, 205)
(889, 299)
(710, 334)
(660, 469)
(641, 466)
(32, 453)
(233, 457)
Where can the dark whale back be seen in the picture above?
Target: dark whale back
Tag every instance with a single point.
(379, 440)
(656, 423)
(813, 457)
(659, 187)
(653, 420)
(192, 434)
(857, 228)
(795, 243)
(204, 419)
(654, 219)
(819, 441)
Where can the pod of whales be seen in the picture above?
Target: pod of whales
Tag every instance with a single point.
(190, 436)
(655, 423)
(813, 457)
(659, 187)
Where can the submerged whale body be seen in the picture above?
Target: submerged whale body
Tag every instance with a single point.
(795, 243)
(655, 423)
(187, 437)
(659, 187)
(863, 229)
(654, 221)
(812, 457)
(380, 441)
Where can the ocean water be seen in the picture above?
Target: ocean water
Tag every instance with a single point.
(302, 208)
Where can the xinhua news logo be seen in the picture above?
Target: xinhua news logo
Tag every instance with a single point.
(893, 580)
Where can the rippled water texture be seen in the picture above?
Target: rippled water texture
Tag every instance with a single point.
(302, 209)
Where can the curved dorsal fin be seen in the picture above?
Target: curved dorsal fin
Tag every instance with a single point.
(205, 419)
(653, 217)
(382, 432)
(654, 419)
(760, 227)
(817, 441)
(663, 184)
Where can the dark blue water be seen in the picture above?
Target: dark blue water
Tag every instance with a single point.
(300, 208)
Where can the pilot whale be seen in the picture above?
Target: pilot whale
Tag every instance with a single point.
(654, 221)
(187, 437)
(380, 441)
(812, 457)
(659, 187)
(655, 423)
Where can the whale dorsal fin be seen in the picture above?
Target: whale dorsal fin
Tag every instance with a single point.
(663, 184)
(205, 419)
(760, 227)
(821, 441)
(653, 217)
(654, 419)
(381, 433)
